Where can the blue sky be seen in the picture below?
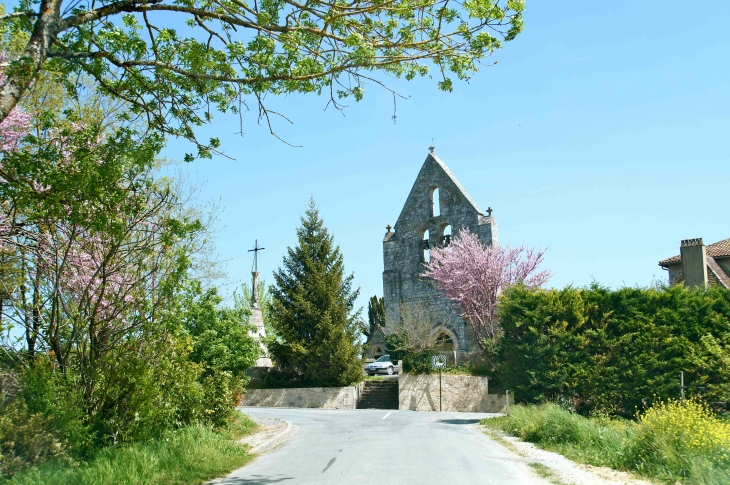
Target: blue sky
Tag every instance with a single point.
(602, 133)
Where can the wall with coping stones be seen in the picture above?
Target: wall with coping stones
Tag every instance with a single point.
(403, 250)
(459, 393)
(307, 397)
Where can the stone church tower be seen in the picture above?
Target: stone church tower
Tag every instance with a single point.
(436, 208)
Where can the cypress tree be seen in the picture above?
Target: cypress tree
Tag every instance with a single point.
(313, 310)
(376, 312)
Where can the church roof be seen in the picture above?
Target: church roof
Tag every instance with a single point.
(453, 179)
(720, 249)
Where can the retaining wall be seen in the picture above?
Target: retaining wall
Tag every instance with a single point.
(308, 397)
(459, 393)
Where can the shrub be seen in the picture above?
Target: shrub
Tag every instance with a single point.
(27, 439)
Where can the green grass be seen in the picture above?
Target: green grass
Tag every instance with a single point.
(188, 456)
(673, 443)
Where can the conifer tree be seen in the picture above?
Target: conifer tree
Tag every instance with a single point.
(312, 310)
(376, 315)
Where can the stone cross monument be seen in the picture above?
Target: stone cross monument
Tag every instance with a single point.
(256, 320)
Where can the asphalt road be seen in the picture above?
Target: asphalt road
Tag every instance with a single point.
(380, 447)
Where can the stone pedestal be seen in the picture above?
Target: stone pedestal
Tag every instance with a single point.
(256, 320)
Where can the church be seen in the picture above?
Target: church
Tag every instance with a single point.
(437, 208)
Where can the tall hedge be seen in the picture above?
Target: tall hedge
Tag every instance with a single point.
(613, 350)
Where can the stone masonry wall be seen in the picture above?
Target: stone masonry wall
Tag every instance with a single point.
(310, 397)
(403, 250)
(459, 393)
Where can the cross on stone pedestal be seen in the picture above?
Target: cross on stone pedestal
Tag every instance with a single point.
(255, 274)
(255, 252)
(489, 212)
(388, 228)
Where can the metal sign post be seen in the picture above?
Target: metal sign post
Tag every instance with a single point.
(439, 362)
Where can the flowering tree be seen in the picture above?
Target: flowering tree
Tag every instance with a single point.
(473, 276)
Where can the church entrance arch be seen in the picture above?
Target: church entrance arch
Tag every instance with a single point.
(445, 340)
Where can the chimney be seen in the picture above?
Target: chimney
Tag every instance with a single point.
(694, 262)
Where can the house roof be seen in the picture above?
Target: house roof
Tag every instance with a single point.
(720, 249)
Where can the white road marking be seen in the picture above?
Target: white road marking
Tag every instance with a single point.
(386, 415)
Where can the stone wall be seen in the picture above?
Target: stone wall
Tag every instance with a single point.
(308, 397)
(459, 393)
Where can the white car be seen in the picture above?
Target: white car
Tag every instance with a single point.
(382, 365)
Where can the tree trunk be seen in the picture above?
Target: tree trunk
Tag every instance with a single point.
(30, 63)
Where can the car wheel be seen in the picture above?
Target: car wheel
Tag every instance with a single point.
(390, 371)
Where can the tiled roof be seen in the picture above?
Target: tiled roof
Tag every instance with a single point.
(720, 249)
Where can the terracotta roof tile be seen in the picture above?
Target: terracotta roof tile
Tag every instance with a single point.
(720, 249)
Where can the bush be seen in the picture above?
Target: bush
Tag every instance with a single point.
(27, 440)
(598, 350)
(671, 441)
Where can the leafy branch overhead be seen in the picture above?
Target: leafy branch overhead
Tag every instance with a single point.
(220, 54)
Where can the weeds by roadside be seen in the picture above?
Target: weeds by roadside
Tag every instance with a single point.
(184, 457)
(673, 441)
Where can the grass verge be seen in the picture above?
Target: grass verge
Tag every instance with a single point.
(672, 442)
(187, 456)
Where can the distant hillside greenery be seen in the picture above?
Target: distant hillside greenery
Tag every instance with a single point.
(615, 351)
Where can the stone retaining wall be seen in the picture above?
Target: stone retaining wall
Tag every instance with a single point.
(308, 397)
(459, 393)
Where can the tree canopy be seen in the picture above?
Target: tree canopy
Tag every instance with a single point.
(173, 61)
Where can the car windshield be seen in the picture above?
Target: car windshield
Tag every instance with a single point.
(385, 358)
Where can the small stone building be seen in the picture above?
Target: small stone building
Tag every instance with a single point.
(375, 344)
(700, 265)
(436, 209)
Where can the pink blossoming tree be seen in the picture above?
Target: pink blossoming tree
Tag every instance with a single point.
(473, 276)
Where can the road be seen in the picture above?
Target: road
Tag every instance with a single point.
(381, 447)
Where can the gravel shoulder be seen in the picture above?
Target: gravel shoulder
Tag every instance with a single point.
(560, 470)
(271, 433)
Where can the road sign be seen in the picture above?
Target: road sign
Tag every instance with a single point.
(438, 361)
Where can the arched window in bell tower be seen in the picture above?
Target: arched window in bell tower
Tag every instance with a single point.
(435, 202)
(446, 235)
(425, 247)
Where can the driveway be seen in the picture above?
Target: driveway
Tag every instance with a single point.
(380, 447)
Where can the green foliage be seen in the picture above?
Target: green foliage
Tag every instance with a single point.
(672, 441)
(188, 456)
(312, 311)
(612, 351)
(232, 51)
(221, 338)
(376, 314)
(26, 439)
(56, 399)
(414, 361)
(140, 397)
